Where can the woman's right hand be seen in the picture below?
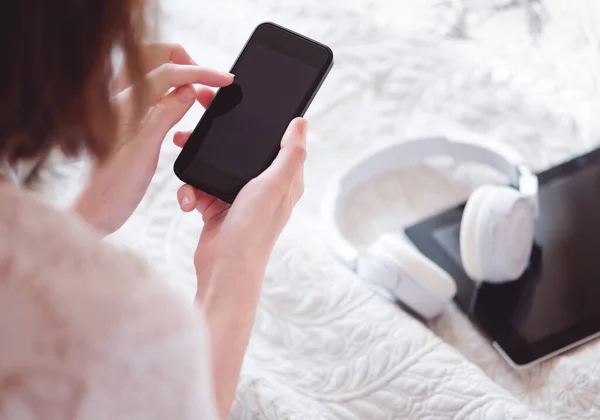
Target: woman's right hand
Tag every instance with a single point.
(243, 235)
(234, 249)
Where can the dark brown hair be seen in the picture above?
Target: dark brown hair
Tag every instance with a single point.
(56, 69)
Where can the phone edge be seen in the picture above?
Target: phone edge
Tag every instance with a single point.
(301, 111)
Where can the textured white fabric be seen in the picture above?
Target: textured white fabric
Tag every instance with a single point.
(324, 346)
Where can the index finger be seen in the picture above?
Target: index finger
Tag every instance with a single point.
(170, 76)
(155, 55)
(152, 57)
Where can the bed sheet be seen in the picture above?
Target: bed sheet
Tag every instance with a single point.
(324, 346)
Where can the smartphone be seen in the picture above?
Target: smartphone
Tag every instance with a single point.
(277, 75)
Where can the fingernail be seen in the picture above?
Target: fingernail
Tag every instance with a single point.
(186, 94)
(230, 75)
(185, 200)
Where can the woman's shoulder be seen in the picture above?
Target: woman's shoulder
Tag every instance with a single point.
(40, 236)
(93, 320)
(42, 246)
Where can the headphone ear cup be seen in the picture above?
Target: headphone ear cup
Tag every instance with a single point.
(420, 284)
(374, 269)
(469, 246)
(497, 234)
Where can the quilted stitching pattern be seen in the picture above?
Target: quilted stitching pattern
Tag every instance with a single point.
(324, 346)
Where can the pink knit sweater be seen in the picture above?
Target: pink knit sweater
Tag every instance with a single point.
(86, 331)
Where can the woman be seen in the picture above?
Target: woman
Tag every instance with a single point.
(87, 331)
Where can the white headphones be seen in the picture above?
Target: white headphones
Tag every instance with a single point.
(496, 234)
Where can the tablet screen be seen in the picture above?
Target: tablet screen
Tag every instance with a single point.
(561, 288)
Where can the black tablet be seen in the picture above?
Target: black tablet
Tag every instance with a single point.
(555, 306)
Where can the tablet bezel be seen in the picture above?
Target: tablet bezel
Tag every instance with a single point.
(505, 337)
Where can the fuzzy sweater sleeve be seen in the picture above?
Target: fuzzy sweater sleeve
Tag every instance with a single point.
(88, 332)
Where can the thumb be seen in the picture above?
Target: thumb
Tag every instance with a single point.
(292, 155)
(168, 112)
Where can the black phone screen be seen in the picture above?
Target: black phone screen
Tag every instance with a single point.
(241, 131)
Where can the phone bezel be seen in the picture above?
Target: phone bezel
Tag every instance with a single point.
(282, 40)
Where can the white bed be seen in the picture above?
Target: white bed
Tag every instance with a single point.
(324, 346)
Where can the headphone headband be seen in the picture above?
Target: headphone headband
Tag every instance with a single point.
(499, 156)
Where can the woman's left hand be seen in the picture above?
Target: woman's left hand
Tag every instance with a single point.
(117, 186)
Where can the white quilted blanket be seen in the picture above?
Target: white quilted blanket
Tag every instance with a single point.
(324, 346)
